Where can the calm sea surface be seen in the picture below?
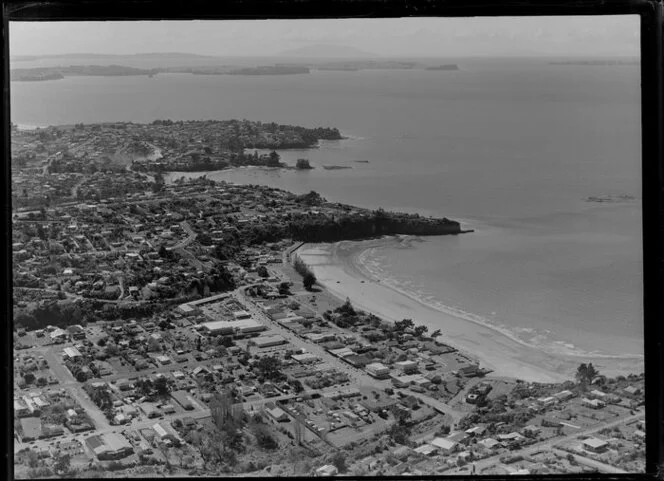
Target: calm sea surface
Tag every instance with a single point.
(513, 149)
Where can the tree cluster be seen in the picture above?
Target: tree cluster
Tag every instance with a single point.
(308, 277)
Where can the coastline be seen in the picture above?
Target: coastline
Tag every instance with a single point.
(339, 270)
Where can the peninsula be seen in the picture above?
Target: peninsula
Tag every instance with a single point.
(167, 145)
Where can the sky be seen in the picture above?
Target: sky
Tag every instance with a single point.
(419, 37)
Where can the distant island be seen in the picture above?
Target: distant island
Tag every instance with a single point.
(336, 167)
(216, 68)
(270, 70)
(56, 73)
(611, 198)
(598, 62)
(444, 67)
(340, 68)
(36, 77)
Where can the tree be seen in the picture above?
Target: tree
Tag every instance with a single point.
(262, 271)
(154, 345)
(585, 373)
(309, 280)
(284, 288)
(273, 159)
(338, 460)
(403, 325)
(62, 463)
(297, 386)
(112, 350)
(436, 333)
(346, 309)
(269, 367)
(312, 198)
(399, 433)
(144, 386)
(303, 164)
(264, 438)
(419, 331)
(402, 416)
(161, 386)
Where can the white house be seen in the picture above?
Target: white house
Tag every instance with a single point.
(445, 445)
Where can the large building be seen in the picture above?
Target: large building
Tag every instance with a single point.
(183, 399)
(407, 367)
(20, 409)
(166, 435)
(378, 370)
(31, 429)
(269, 341)
(595, 445)
(109, 446)
(71, 353)
(243, 326)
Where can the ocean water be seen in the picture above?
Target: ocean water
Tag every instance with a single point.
(512, 149)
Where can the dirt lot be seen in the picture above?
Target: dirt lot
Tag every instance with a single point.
(318, 301)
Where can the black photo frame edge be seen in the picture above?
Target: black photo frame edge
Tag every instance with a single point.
(652, 118)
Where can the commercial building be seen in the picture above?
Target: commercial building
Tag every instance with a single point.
(564, 395)
(58, 335)
(446, 446)
(71, 352)
(327, 470)
(489, 443)
(20, 409)
(187, 310)
(269, 341)
(595, 445)
(407, 367)
(150, 409)
(306, 358)
(183, 399)
(166, 435)
(277, 414)
(593, 403)
(31, 429)
(319, 337)
(29, 403)
(378, 370)
(243, 326)
(109, 446)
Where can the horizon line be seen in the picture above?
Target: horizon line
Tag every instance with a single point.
(380, 56)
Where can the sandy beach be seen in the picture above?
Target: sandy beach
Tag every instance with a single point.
(340, 272)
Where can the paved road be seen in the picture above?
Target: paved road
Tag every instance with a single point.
(68, 382)
(439, 406)
(191, 236)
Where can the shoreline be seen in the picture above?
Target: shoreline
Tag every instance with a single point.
(343, 276)
(358, 266)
